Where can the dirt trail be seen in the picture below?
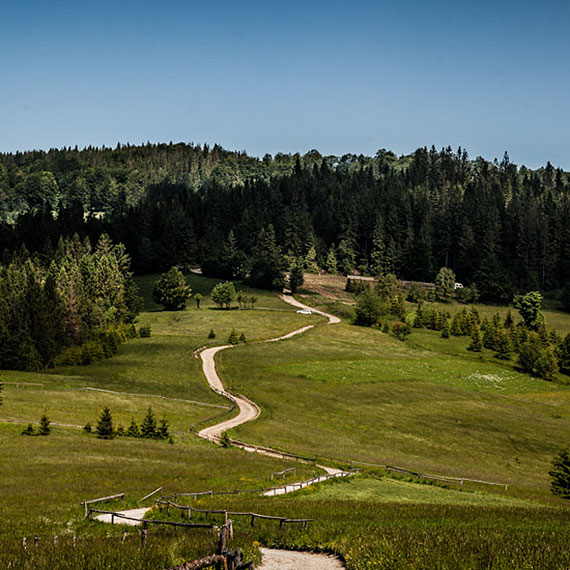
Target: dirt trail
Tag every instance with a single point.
(136, 516)
(291, 560)
(248, 410)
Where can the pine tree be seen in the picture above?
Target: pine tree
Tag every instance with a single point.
(377, 257)
(1, 389)
(296, 277)
(560, 474)
(233, 338)
(104, 429)
(310, 262)
(133, 429)
(44, 428)
(476, 344)
(211, 334)
(445, 284)
(148, 426)
(162, 430)
(331, 263)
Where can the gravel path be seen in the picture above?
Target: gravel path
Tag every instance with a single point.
(248, 410)
(137, 514)
(290, 560)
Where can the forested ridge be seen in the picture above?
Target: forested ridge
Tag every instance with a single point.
(501, 226)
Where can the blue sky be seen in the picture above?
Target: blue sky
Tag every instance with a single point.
(266, 76)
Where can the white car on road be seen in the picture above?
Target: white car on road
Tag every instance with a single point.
(304, 311)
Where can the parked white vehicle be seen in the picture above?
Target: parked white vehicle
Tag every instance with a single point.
(304, 311)
(458, 286)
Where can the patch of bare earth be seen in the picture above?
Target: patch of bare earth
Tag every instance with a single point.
(291, 560)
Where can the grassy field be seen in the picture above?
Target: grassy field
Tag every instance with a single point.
(385, 524)
(342, 390)
(42, 480)
(427, 404)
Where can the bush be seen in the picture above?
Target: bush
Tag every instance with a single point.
(537, 359)
(29, 430)
(211, 334)
(171, 290)
(416, 293)
(144, 331)
(369, 308)
(242, 338)
(233, 338)
(87, 428)
(224, 294)
(44, 428)
(401, 330)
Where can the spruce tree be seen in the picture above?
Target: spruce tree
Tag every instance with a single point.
(44, 428)
(560, 474)
(233, 338)
(104, 429)
(476, 344)
(331, 263)
(133, 429)
(148, 426)
(162, 430)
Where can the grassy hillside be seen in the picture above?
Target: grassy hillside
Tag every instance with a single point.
(353, 392)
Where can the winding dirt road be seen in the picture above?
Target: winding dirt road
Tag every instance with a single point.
(248, 410)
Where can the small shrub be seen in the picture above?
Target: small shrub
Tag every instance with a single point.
(29, 430)
(87, 428)
(233, 338)
(401, 330)
(242, 338)
(211, 334)
(144, 331)
(44, 428)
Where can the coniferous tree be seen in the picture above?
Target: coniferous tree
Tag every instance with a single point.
(331, 263)
(44, 428)
(560, 475)
(133, 429)
(105, 429)
(476, 344)
(148, 426)
(445, 284)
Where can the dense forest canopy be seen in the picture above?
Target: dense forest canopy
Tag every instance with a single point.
(501, 226)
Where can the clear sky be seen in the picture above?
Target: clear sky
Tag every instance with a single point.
(266, 76)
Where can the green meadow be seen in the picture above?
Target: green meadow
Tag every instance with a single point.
(427, 405)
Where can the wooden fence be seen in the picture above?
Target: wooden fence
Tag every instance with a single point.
(120, 496)
(146, 522)
(189, 510)
(300, 485)
(283, 473)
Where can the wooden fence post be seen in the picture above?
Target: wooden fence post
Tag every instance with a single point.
(24, 545)
(36, 541)
(144, 533)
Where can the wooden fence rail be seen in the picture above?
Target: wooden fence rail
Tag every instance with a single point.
(25, 384)
(284, 472)
(301, 484)
(100, 500)
(189, 510)
(145, 522)
(150, 494)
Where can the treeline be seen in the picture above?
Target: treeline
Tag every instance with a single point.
(72, 308)
(501, 227)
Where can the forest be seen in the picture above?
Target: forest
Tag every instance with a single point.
(495, 224)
